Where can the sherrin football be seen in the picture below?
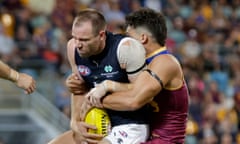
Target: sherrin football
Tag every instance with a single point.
(99, 118)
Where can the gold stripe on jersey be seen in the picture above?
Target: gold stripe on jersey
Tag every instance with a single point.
(156, 51)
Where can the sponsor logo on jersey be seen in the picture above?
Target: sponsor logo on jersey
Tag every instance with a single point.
(83, 70)
(108, 68)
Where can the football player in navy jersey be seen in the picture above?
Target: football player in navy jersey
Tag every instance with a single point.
(96, 55)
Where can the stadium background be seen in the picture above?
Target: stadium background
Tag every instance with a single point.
(203, 34)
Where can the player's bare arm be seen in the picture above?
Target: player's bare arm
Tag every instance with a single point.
(21, 80)
(96, 94)
(79, 128)
(75, 99)
(146, 86)
(112, 86)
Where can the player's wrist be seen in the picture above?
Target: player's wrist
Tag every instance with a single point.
(129, 86)
(13, 75)
(73, 124)
(109, 86)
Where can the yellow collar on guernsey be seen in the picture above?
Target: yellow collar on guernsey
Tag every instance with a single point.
(156, 51)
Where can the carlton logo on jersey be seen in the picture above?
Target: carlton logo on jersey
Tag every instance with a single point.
(83, 70)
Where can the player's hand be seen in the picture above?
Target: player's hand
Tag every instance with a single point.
(75, 85)
(81, 135)
(26, 82)
(85, 107)
(95, 95)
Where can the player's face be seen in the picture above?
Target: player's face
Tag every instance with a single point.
(85, 41)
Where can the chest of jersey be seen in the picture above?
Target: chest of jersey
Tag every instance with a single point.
(102, 67)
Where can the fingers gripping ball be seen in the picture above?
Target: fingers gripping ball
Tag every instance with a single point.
(100, 119)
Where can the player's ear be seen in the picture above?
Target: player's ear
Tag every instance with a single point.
(102, 34)
(143, 38)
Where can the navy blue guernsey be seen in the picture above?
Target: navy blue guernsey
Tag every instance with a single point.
(96, 69)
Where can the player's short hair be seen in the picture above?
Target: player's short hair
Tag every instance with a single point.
(152, 21)
(95, 17)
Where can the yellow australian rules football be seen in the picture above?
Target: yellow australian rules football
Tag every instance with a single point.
(99, 118)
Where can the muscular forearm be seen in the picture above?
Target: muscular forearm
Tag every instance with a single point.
(132, 99)
(119, 101)
(112, 86)
(96, 94)
(76, 102)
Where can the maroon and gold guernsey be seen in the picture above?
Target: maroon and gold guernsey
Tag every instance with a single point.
(169, 117)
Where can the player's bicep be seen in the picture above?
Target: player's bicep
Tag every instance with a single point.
(131, 55)
(168, 70)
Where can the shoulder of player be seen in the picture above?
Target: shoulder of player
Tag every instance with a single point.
(129, 47)
(70, 46)
(70, 52)
(70, 43)
(128, 42)
(167, 61)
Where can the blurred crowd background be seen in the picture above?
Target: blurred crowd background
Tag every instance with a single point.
(203, 34)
